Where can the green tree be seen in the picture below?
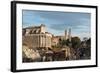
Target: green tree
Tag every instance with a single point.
(62, 42)
(75, 42)
(88, 42)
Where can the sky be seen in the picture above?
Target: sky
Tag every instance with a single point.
(56, 22)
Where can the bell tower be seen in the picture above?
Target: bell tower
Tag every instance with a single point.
(69, 34)
(65, 34)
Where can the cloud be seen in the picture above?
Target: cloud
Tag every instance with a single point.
(57, 22)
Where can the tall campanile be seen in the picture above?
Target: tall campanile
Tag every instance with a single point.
(65, 34)
(69, 34)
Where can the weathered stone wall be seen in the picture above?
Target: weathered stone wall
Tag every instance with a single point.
(37, 40)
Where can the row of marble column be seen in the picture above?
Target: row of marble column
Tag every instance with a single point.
(43, 41)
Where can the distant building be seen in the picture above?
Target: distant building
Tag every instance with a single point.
(36, 36)
(66, 37)
(69, 36)
(55, 39)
